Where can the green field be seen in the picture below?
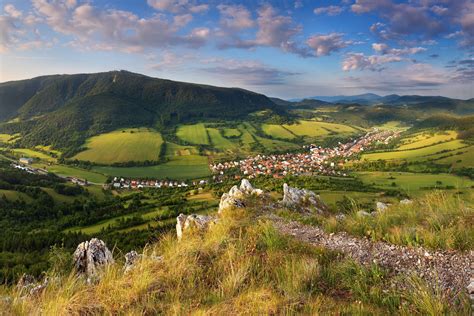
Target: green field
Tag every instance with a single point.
(24, 152)
(4, 138)
(173, 150)
(461, 158)
(96, 228)
(182, 167)
(122, 146)
(414, 181)
(12, 195)
(426, 139)
(231, 132)
(194, 134)
(220, 142)
(392, 126)
(277, 131)
(67, 171)
(318, 129)
(420, 154)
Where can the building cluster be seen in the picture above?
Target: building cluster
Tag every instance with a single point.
(318, 159)
(123, 183)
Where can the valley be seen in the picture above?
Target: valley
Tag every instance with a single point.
(124, 174)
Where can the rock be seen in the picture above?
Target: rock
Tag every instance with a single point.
(237, 195)
(302, 199)
(381, 206)
(406, 201)
(196, 221)
(340, 217)
(90, 257)
(363, 214)
(28, 286)
(246, 187)
(228, 201)
(131, 258)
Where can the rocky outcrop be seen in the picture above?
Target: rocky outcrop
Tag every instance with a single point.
(236, 196)
(28, 286)
(381, 207)
(193, 221)
(301, 199)
(133, 257)
(90, 257)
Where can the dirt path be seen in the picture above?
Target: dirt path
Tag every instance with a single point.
(449, 270)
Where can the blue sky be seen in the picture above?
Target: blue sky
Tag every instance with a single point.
(286, 48)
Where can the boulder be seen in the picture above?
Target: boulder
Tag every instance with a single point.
(302, 199)
(237, 195)
(382, 206)
(28, 286)
(229, 201)
(193, 221)
(90, 257)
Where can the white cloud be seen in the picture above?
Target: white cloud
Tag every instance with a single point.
(324, 45)
(331, 10)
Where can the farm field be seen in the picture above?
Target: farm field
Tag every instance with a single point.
(194, 134)
(12, 195)
(67, 171)
(122, 146)
(462, 158)
(231, 132)
(97, 227)
(412, 182)
(420, 154)
(173, 150)
(277, 131)
(426, 139)
(25, 152)
(220, 142)
(318, 129)
(183, 167)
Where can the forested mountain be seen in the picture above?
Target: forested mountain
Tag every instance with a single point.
(63, 110)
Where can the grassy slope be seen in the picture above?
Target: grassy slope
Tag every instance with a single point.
(277, 131)
(240, 266)
(416, 154)
(426, 139)
(122, 146)
(68, 171)
(194, 134)
(414, 181)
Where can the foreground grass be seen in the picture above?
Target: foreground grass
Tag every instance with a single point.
(437, 220)
(240, 266)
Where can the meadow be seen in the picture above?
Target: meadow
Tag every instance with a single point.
(122, 146)
(181, 167)
(412, 182)
(420, 154)
(194, 134)
(277, 131)
(68, 171)
(12, 195)
(424, 139)
(25, 152)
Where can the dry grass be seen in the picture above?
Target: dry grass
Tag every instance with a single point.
(241, 266)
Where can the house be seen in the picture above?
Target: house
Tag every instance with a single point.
(26, 161)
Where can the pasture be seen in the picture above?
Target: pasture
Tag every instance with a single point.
(318, 129)
(67, 171)
(426, 139)
(122, 146)
(277, 131)
(231, 132)
(411, 182)
(25, 152)
(220, 142)
(420, 154)
(182, 167)
(193, 134)
(460, 158)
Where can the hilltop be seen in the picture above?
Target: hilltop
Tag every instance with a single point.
(62, 110)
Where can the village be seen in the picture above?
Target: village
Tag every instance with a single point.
(316, 160)
(319, 160)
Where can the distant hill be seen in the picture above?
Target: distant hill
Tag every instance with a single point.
(392, 99)
(63, 110)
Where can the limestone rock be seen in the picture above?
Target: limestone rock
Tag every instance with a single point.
(406, 201)
(229, 201)
(302, 199)
(28, 286)
(90, 257)
(237, 195)
(381, 206)
(363, 214)
(196, 221)
(131, 258)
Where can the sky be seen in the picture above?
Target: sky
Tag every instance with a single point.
(282, 48)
